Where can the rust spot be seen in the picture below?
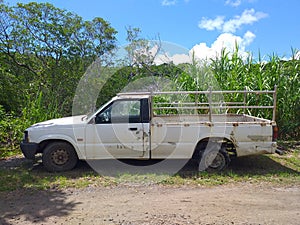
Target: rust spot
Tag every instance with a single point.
(258, 137)
(186, 125)
(233, 140)
(235, 124)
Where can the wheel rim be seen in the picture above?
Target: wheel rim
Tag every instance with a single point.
(60, 157)
(218, 161)
(215, 160)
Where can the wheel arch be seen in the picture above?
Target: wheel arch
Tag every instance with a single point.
(44, 143)
(225, 141)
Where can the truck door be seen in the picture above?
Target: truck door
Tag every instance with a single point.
(121, 130)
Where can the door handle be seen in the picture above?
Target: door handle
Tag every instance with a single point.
(132, 128)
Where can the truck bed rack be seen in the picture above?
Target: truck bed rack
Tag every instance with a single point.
(209, 102)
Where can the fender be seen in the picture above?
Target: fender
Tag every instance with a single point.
(79, 147)
(218, 136)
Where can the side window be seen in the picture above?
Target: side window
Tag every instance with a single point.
(104, 116)
(122, 111)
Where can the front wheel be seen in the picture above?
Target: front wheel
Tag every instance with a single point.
(59, 156)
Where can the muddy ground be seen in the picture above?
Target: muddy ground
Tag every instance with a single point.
(135, 204)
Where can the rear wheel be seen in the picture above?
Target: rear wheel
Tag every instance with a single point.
(213, 158)
(59, 156)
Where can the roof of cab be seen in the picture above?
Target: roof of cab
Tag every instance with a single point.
(133, 95)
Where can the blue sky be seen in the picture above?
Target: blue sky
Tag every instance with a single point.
(204, 26)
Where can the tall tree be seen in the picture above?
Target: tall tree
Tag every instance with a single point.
(50, 48)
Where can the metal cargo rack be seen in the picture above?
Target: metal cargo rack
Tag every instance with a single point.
(210, 105)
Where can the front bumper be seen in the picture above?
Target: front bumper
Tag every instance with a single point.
(29, 149)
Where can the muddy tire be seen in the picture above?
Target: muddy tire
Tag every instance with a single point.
(213, 159)
(59, 156)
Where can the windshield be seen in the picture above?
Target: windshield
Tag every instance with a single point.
(90, 114)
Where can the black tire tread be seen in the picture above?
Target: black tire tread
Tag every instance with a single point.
(51, 166)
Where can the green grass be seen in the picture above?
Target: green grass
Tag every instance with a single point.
(21, 178)
(274, 169)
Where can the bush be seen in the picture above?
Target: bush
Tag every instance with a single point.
(12, 125)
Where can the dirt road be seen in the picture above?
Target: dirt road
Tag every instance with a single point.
(242, 203)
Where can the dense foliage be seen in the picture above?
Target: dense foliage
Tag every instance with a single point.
(232, 72)
(44, 51)
(235, 74)
(47, 49)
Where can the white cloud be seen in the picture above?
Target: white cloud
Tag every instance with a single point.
(160, 56)
(248, 38)
(202, 51)
(212, 24)
(176, 59)
(234, 3)
(168, 2)
(225, 41)
(249, 16)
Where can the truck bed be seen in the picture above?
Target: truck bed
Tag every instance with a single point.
(216, 118)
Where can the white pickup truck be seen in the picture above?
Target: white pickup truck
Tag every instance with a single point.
(155, 126)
